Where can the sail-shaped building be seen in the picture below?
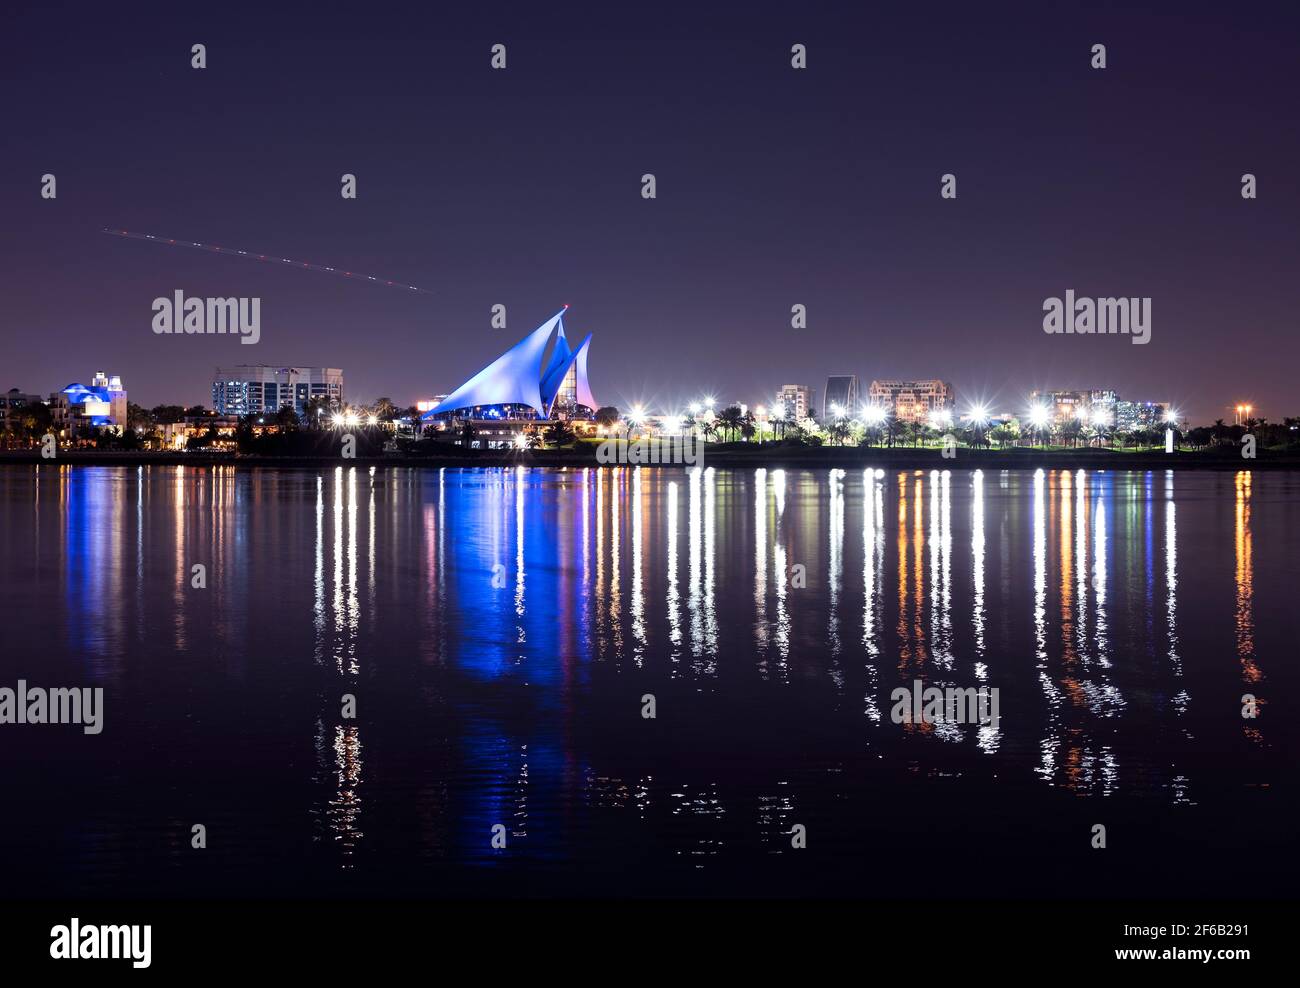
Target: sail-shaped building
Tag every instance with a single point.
(540, 377)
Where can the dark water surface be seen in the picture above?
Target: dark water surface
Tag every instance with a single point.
(499, 629)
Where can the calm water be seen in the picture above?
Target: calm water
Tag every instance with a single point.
(499, 629)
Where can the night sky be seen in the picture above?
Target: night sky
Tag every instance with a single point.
(775, 187)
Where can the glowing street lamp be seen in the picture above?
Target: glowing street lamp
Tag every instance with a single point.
(635, 418)
(874, 415)
(1039, 416)
(940, 418)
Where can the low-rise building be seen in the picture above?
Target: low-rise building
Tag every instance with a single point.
(80, 409)
(12, 403)
(1130, 415)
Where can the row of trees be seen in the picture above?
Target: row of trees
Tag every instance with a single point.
(25, 426)
(730, 424)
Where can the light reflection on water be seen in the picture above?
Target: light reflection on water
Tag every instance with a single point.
(498, 629)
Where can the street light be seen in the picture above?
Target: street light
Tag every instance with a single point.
(873, 414)
(635, 417)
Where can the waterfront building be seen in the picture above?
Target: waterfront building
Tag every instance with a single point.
(176, 435)
(1063, 406)
(1130, 415)
(260, 389)
(541, 377)
(794, 403)
(79, 409)
(1100, 407)
(12, 402)
(841, 393)
(912, 401)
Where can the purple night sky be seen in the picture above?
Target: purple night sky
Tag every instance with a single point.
(775, 187)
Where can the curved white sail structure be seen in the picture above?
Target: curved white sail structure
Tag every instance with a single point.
(517, 376)
(553, 375)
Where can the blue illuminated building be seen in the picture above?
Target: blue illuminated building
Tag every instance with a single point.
(78, 408)
(540, 377)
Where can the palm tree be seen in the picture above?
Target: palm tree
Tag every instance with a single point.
(316, 410)
(560, 433)
(35, 420)
(385, 409)
(286, 418)
(730, 418)
(468, 434)
(1070, 431)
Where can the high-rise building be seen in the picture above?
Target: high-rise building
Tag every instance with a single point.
(259, 389)
(794, 402)
(912, 401)
(842, 394)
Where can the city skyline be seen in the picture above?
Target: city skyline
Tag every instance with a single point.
(465, 467)
(775, 187)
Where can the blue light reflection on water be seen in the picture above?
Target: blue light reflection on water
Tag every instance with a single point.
(520, 703)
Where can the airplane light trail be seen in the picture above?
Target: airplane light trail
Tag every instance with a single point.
(269, 258)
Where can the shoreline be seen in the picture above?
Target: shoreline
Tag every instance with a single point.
(772, 457)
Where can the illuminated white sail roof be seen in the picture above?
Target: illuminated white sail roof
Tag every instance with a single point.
(514, 378)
